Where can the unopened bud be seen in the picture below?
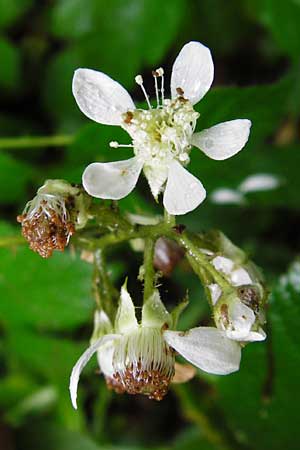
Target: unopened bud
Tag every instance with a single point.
(167, 255)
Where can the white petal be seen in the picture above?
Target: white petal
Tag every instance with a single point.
(100, 97)
(207, 348)
(105, 356)
(112, 180)
(215, 292)
(223, 140)
(183, 192)
(240, 277)
(259, 182)
(242, 319)
(81, 363)
(222, 264)
(254, 336)
(225, 196)
(193, 72)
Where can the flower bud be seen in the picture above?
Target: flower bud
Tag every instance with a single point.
(167, 254)
(52, 216)
(239, 310)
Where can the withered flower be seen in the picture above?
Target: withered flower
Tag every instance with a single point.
(51, 217)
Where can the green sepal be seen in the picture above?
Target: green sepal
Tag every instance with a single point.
(102, 325)
(154, 313)
(125, 318)
(178, 310)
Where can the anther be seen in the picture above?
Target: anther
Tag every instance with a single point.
(160, 71)
(155, 76)
(139, 80)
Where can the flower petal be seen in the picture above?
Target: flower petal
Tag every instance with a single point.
(207, 348)
(259, 335)
(225, 196)
(259, 182)
(99, 97)
(183, 192)
(193, 72)
(242, 318)
(113, 180)
(240, 276)
(223, 140)
(81, 363)
(223, 264)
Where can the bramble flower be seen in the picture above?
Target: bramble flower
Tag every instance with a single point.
(139, 358)
(51, 217)
(162, 137)
(240, 312)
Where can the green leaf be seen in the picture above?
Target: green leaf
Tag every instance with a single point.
(282, 19)
(53, 293)
(264, 106)
(49, 357)
(262, 399)
(15, 178)
(10, 65)
(11, 10)
(52, 437)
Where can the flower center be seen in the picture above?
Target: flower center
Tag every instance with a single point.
(142, 363)
(164, 133)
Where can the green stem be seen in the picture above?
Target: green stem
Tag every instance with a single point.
(199, 259)
(149, 272)
(169, 219)
(11, 241)
(15, 143)
(105, 293)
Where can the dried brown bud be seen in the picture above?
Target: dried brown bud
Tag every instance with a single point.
(167, 255)
(51, 217)
(46, 228)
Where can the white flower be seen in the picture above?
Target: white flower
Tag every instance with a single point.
(162, 137)
(139, 358)
(238, 314)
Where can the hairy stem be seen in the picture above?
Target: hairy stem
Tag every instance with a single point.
(105, 293)
(149, 272)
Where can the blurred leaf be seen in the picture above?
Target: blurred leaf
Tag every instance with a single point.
(53, 293)
(192, 439)
(282, 19)
(50, 437)
(262, 399)
(49, 357)
(37, 403)
(15, 177)
(207, 18)
(263, 105)
(13, 389)
(10, 65)
(11, 10)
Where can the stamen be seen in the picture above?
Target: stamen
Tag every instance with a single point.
(115, 144)
(160, 72)
(139, 81)
(155, 76)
